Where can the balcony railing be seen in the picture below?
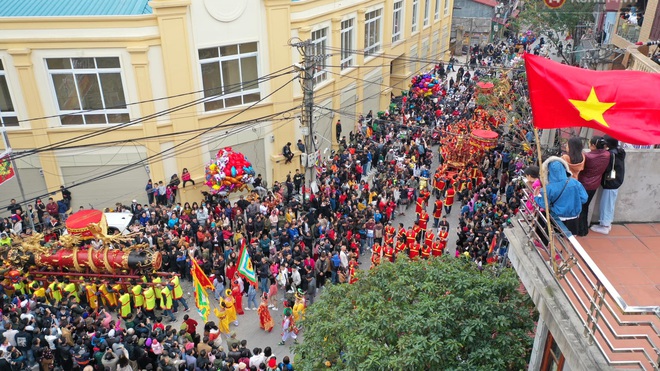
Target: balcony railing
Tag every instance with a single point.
(640, 62)
(626, 335)
(628, 31)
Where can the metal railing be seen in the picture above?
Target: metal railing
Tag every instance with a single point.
(628, 31)
(609, 323)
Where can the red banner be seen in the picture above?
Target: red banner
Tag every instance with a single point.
(6, 170)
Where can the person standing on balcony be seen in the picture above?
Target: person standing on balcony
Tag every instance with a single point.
(595, 163)
(565, 194)
(612, 180)
(574, 156)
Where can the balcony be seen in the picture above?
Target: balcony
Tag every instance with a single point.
(638, 61)
(609, 284)
(629, 32)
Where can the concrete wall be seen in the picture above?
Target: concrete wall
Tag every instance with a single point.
(555, 311)
(639, 196)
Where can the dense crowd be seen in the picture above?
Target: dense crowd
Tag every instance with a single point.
(297, 245)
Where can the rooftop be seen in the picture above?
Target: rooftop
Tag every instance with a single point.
(72, 8)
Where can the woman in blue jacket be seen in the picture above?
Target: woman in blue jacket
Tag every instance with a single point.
(565, 194)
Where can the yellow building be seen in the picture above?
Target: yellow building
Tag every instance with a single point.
(103, 95)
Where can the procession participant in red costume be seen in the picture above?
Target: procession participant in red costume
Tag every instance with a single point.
(426, 252)
(401, 234)
(419, 205)
(388, 253)
(423, 221)
(437, 212)
(436, 248)
(400, 247)
(376, 254)
(388, 234)
(449, 200)
(443, 235)
(414, 250)
(411, 235)
(438, 183)
(428, 239)
(237, 293)
(352, 270)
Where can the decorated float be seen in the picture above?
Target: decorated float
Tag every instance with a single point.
(84, 251)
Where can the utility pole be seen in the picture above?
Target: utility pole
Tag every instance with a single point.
(305, 48)
(5, 139)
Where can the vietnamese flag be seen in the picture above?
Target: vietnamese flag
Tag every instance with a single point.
(623, 104)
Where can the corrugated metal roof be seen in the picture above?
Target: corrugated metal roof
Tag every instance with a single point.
(67, 8)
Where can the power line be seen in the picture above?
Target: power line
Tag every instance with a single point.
(108, 129)
(161, 155)
(120, 106)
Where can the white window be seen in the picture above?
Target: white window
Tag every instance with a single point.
(319, 46)
(447, 5)
(229, 75)
(436, 16)
(347, 52)
(372, 31)
(88, 90)
(397, 16)
(415, 10)
(427, 12)
(7, 115)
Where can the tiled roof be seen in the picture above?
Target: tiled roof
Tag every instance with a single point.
(67, 8)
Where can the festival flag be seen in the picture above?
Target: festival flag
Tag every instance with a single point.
(623, 104)
(200, 283)
(6, 170)
(490, 258)
(245, 267)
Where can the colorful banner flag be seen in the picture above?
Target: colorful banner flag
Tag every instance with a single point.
(200, 284)
(197, 273)
(6, 170)
(245, 267)
(623, 104)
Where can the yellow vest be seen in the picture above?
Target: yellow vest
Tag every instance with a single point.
(149, 299)
(92, 299)
(55, 291)
(178, 292)
(125, 302)
(166, 298)
(138, 299)
(70, 289)
(157, 288)
(40, 292)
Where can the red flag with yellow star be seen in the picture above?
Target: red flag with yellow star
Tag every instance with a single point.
(623, 104)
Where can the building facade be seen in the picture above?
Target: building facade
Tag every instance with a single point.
(103, 97)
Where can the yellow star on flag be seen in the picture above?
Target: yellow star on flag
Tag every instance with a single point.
(592, 108)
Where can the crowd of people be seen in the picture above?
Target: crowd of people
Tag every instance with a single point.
(297, 245)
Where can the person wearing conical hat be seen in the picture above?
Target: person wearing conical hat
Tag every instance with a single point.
(288, 327)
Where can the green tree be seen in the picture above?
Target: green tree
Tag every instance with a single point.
(442, 314)
(554, 24)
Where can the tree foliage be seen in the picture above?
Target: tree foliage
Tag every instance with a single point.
(554, 24)
(442, 314)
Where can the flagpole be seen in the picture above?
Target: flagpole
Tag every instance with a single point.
(548, 223)
(5, 139)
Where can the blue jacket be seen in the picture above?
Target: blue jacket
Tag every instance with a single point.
(565, 202)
